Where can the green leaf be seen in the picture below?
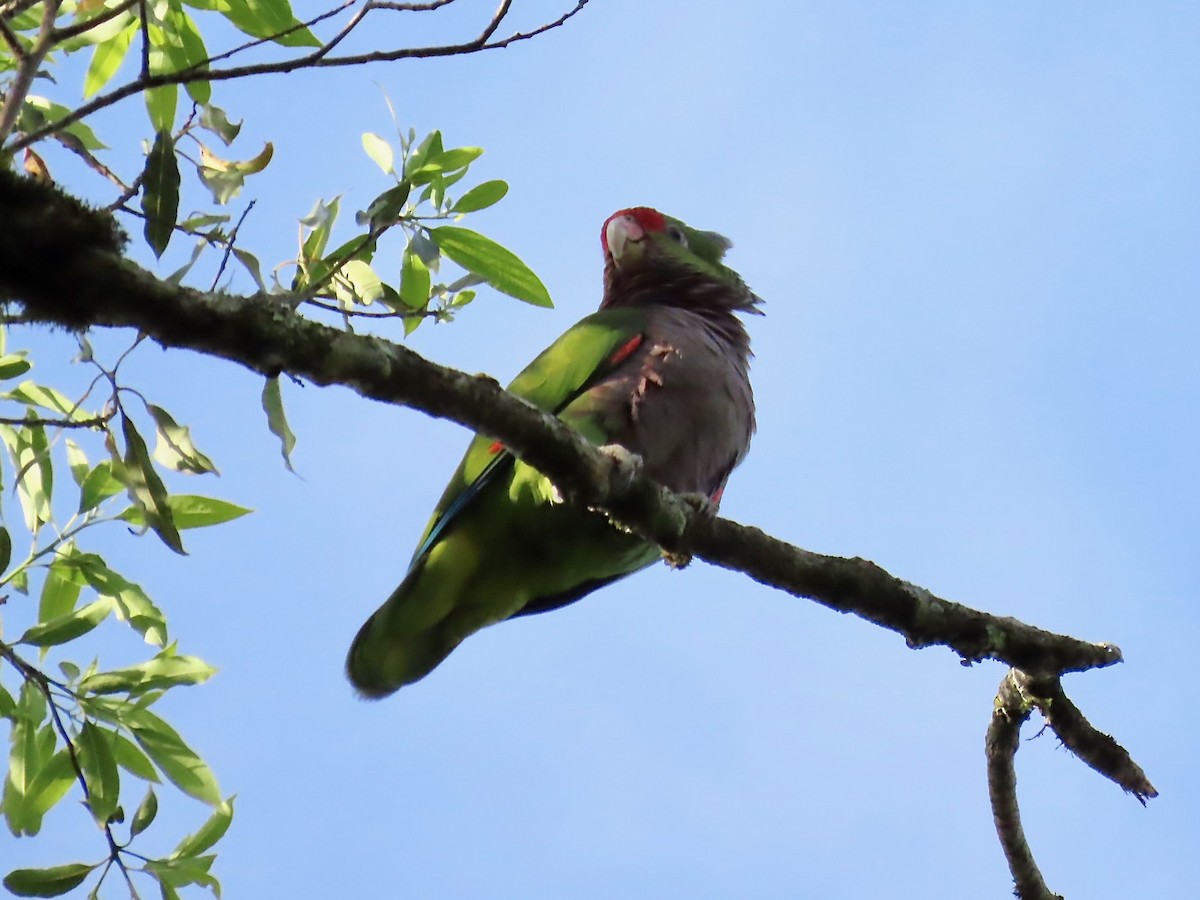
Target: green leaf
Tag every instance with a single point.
(98, 486)
(356, 282)
(360, 247)
(30, 452)
(385, 209)
(67, 628)
(106, 59)
(14, 365)
(310, 268)
(32, 707)
(173, 756)
(223, 185)
(250, 167)
(165, 888)
(177, 872)
(51, 882)
(174, 448)
(77, 461)
(60, 591)
(459, 157)
(192, 511)
(177, 276)
(160, 193)
(48, 398)
(160, 101)
(31, 753)
(146, 488)
(5, 548)
(272, 404)
(144, 816)
(499, 267)
(481, 197)
(12, 801)
(100, 770)
(132, 603)
(97, 32)
(250, 263)
(19, 581)
(208, 833)
(268, 19)
(47, 112)
(429, 148)
(8, 706)
(130, 758)
(159, 673)
(426, 249)
(414, 281)
(214, 119)
(202, 220)
(380, 152)
(184, 48)
(48, 787)
(433, 165)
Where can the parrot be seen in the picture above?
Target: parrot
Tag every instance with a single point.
(660, 371)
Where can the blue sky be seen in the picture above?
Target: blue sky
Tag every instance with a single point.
(977, 230)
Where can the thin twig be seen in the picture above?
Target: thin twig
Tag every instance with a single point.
(64, 34)
(367, 314)
(144, 27)
(16, 7)
(413, 7)
(229, 246)
(1097, 749)
(14, 43)
(312, 60)
(1003, 738)
(267, 40)
(94, 422)
(43, 682)
(75, 145)
(18, 88)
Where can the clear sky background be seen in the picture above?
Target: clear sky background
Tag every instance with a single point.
(976, 227)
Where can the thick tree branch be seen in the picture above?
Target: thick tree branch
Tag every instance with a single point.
(90, 285)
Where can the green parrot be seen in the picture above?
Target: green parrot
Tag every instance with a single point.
(661, 370)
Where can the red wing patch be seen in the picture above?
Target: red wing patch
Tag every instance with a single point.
(495, 448)
(626, 350)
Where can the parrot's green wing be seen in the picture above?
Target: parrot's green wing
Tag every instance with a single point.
(562, 372)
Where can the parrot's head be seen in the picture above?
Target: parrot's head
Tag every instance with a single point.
(646, 251)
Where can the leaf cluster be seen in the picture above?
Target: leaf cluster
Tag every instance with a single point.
(83, 728)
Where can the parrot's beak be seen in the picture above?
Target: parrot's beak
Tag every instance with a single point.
(623, 236)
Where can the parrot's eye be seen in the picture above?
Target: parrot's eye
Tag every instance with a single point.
(675, 233)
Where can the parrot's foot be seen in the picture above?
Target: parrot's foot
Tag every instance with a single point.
(705, 506)
(627, 464)
(676, 560)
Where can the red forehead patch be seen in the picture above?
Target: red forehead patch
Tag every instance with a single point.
(649, 219)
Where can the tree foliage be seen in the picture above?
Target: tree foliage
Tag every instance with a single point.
(111, 458)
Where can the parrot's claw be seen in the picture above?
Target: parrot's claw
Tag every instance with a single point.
(705, 506)
(676, 560)
(628, 465)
